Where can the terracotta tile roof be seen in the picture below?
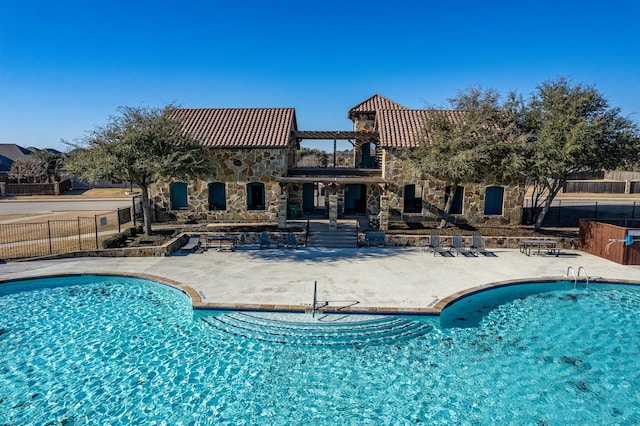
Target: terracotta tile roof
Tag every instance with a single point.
(374, 104)
(402, 128)
(238, 127)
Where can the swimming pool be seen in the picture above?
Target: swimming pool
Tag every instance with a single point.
(103, 349)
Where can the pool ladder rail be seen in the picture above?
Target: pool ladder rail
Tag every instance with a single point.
(572, 273)
(314, 305)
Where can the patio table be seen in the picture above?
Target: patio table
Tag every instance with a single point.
(221, 242)
(548, 246)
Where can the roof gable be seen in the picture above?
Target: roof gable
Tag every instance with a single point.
(374, 104)
(13, 151)
(238, 127)
(5, 163)
(403, 128)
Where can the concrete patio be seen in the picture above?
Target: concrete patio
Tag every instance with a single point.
(367, 279)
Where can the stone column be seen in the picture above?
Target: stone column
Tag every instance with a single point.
(282, 211)
(384, 212)
(627, 187)
(333, 211)
(3, 189)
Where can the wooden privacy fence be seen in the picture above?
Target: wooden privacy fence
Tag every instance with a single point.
(55, 188)
(605, 239)
(25, 240)
(602, 187)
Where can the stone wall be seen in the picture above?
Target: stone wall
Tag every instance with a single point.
(151, 251)
(236, 168)
(400, 173)
(402, 240)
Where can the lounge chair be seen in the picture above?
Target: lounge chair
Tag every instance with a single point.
(456, 245)
(265, 240)
(478, 247)
(434, 246)
(291, 241)
(192, 245)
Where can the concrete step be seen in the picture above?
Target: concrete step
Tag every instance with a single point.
(320, 235)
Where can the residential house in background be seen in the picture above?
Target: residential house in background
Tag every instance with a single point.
(258, 179)
(10, 152)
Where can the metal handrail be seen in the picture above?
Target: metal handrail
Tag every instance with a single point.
(585, 275)
(315, 294)
(306, 235)
(573, 273)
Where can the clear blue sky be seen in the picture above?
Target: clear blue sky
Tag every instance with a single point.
(65, 66)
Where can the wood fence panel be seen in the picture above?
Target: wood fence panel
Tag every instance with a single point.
(594, 187)
(620, 175)
(595, 237)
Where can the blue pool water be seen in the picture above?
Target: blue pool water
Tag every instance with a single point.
(113, 350)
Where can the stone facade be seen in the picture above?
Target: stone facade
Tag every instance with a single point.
(236, 169)
(240, 167)
(399, 173)
(382, 131)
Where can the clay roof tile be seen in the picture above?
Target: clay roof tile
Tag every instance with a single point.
(238, 127)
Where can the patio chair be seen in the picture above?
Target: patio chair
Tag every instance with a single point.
(478, 246)
(456, 245)
(192, 245)
(291, 241)
(434, 246)
(265, 240)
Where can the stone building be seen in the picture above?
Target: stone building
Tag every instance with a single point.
(257, 178)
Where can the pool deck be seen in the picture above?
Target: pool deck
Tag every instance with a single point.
(399, 280)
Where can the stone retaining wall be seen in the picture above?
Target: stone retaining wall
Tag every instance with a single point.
(400, 240)
(151, 251)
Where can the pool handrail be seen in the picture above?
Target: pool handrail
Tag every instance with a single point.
(581, 268)
(573, 274)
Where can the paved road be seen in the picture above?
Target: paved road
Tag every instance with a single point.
(45, 206)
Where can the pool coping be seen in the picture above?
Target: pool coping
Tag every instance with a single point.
(436, 309)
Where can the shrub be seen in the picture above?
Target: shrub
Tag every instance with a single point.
(114, 241)
(130, 232)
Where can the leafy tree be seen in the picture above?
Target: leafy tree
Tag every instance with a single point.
(312, 157)
(143, 145)
(27, 168)
(480, 139)
(576, 131)
(51, 162)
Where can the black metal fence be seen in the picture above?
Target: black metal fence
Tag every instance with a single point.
(567, 213)
(25, 240)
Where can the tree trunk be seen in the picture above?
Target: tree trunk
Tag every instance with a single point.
(447, 207)
(146, 209)
(547, 206)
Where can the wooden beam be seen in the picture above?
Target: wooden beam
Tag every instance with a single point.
(331, 135)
